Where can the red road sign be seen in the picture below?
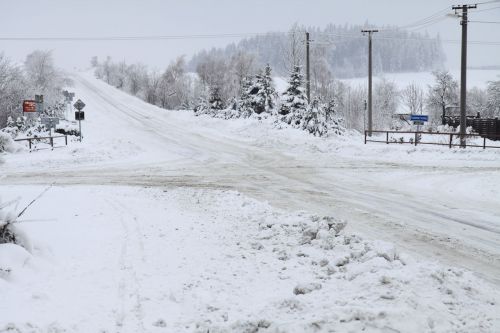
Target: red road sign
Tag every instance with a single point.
(29, 106)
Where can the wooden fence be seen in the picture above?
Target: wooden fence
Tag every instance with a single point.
(41, 138)
(416, 138)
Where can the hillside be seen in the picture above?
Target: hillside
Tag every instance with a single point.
(343, 48)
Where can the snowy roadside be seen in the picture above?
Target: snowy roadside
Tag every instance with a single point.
(184, 260)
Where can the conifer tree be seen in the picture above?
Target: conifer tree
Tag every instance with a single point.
(294, 100)
(215, 101)
(314, 120)
(245, 107)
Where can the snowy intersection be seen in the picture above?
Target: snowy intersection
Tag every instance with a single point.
(145, 230)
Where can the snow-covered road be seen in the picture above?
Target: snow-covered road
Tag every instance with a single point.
(120, 189)
(440, 205)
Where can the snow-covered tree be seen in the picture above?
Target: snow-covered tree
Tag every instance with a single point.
(385, 103)
(245, 102)
(262, 92)
(493, 104)
(215, 101)
(442, 94)
(314, 120)
(45, 79)
(334, 120)
(294, 100)
(152, 87)
(477, 102)
(13, 89)
(135, 77)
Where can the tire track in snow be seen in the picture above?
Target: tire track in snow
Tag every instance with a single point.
(130, 260)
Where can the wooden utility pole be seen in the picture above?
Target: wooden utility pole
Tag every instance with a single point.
(308, 69)
(370, 117)
(463, 73)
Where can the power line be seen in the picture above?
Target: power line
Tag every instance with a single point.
(492, 22)
(230, 35)
(483, 3)
(487, 9)
(424, 21)
(133, 38)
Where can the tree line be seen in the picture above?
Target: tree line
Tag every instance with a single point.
(337, 49)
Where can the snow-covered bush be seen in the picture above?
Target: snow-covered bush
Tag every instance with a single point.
(7, 144)
(7, 218)
(213, 106)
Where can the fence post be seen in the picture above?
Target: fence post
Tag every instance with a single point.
(29, 141)
(451, 139)
(66, 139)
(387, 137)
(484, 143)
(416, 137)
(365, 137)
(52, 142)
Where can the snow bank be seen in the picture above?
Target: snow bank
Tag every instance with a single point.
(328, 280)
(186, 260)
(7, 144)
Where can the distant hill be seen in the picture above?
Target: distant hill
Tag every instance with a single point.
(344, 50)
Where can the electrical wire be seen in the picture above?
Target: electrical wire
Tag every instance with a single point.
(490, 22)
(483, 3)
(484, 10)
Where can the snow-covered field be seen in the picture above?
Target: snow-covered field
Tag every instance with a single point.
(475, 78)
(162, 221)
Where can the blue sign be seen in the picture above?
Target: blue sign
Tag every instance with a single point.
(419, 117)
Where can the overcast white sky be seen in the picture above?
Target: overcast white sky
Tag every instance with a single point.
(101, 18)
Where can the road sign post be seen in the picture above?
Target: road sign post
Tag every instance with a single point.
(50, 123)
(419, 120)
(79, 115)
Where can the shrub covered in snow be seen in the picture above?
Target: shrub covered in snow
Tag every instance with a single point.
(7, 144)
(7, 218)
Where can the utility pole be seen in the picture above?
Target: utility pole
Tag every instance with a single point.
(370, 117)
(308, 69)
(463, 73)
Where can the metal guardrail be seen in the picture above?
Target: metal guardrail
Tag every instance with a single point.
(51, 139)
(417, 139)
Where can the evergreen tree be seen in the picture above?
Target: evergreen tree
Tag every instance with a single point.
(314, 120)
(20, 122)
(202, 107)
(215, 101)
(10, 122)
(334, 121)
(263, 92)
(245, 107)
(294, 100)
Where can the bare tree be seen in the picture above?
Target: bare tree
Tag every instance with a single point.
(243, 66)
(493, 103)
(40, 69)
(13, 89)
(152, 87)
(386, 99)
(413, 98)
(294, 49)
(135, 78)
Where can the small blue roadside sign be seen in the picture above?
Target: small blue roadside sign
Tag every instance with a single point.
(419, 117)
